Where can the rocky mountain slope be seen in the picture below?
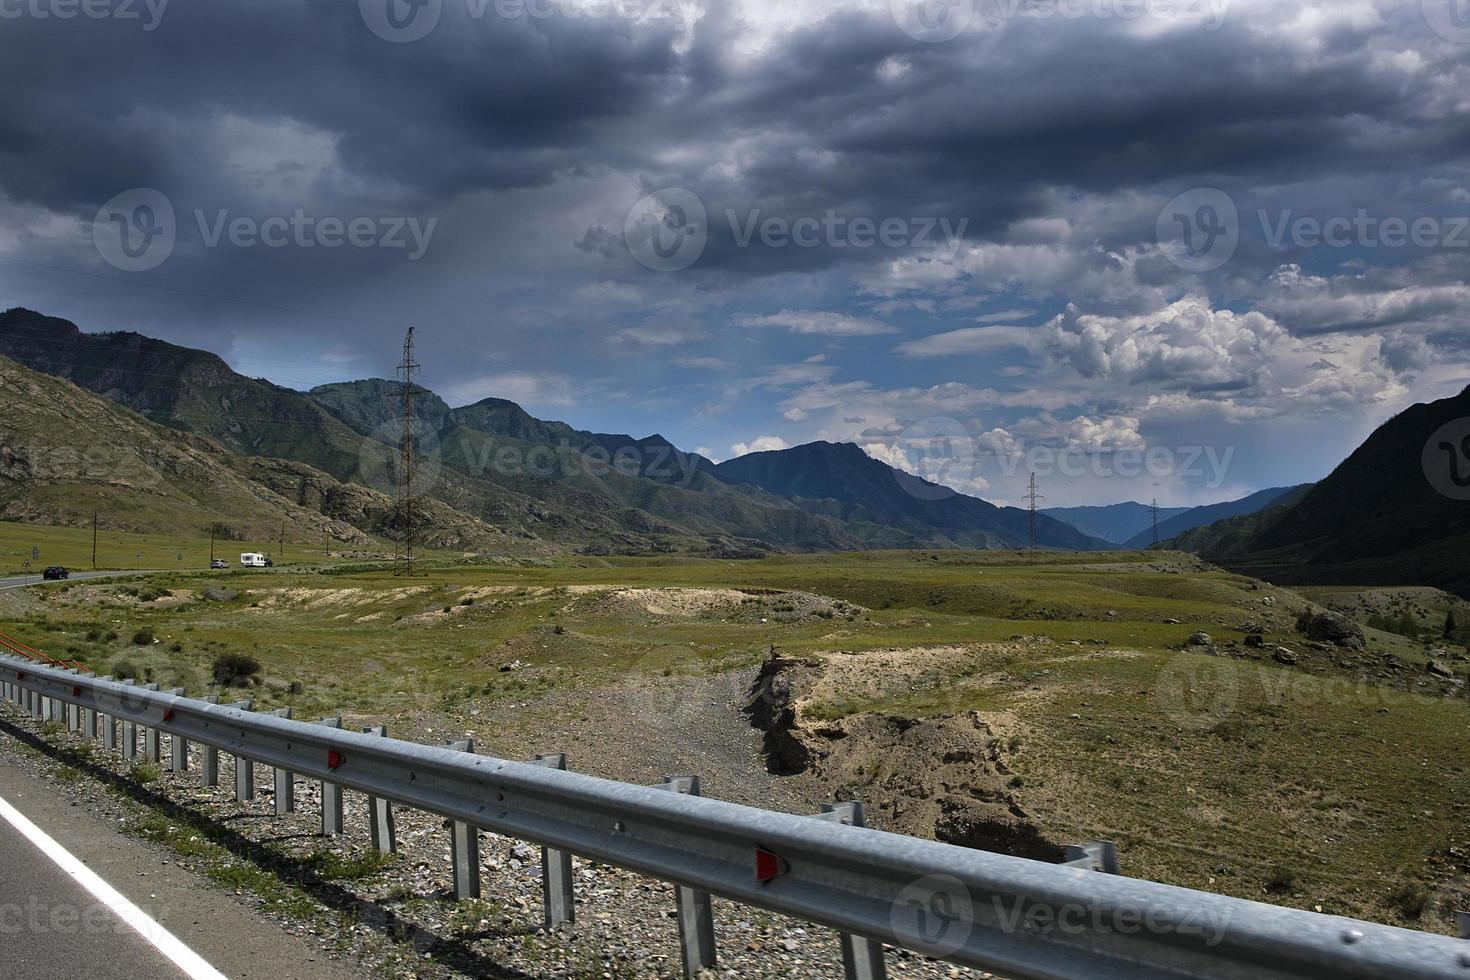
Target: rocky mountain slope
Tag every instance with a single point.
(1397, 511)
(840, 480)
(65, 453)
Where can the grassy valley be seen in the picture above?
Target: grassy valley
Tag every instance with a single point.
(1077, 685)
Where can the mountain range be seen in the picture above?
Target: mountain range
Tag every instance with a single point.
(158, 437)
(494, 473)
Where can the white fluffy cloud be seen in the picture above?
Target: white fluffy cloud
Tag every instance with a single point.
(1185, 344)
(760, 444)
(817, 322)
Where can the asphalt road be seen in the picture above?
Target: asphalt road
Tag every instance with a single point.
(52, 927)
(21, 581)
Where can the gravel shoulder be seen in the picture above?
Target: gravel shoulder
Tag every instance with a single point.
(396, 918)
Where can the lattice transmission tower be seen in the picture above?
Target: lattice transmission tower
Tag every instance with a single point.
(1033, 497)
(408, 509)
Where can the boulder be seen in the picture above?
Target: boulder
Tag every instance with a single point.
(1331, 627)
(216, 594)
(1200, 639)
(1284, 656)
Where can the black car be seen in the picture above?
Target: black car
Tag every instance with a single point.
(56, 572)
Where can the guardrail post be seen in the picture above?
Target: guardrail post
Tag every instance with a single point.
(152, 749)
(73, 711)
(109, 727)
(331, 794)
(1097, 855)
(380, 811)
(90, 719)
(285, 779)
(1463, 920)
(696, 918)
(129, 731)
(464, 845)
(862, 958)
(556, 865)
(244, 768)
(178, 746)
(209, 756)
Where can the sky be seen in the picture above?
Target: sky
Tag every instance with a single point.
(1171, 249)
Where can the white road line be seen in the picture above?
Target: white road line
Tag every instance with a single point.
(165, 942)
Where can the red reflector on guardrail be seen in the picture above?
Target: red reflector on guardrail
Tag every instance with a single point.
(767, 865)
(168, 714)
(76, 690)
(334, 759)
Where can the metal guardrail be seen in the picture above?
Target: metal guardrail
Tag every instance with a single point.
(1016, 917)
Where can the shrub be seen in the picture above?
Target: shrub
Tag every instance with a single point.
(235, 669)
(143, 638)
(1280, 880)
(125, 668)
(1411, 900)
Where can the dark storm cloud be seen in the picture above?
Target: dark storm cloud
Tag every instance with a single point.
(846, 114)
(528, 140)
(479, 105)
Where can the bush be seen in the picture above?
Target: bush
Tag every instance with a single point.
(1280, 880)
(1411, 900)
(235, 669)
(143, 638)
(125, 668)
